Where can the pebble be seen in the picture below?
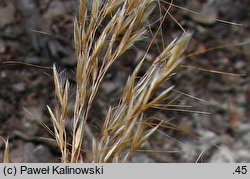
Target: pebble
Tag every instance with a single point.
(109, 87)
(189, 151)
(207, 13)
(239, 65)
(28, 152)
(243, 155)
(141, 158)
(7, 14)
(56, 8)
(19, 87)
(222, 155)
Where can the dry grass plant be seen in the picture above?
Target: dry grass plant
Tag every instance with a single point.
(126, 127)
(103, 32)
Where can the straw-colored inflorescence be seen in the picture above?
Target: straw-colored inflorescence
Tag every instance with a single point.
(103, 32)
(126, 127)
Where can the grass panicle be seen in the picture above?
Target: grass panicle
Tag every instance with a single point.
(103, 32)
(126, 126)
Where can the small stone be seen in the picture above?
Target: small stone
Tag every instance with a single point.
(239, 65)
(243, 128)
(27, 7)
(109, 87)
(7, 14)
(208, 13)
(19, 87)
(3, 74)
(222, 155)
(224, 61)
(243, 155)
(189, 151)
(56, 8)
(29, 153)
(206, 134)
(141, 158)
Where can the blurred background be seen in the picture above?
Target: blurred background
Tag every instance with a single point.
(40, 32)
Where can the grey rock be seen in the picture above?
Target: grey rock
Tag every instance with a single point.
(29, 153)
(223, 155)
(7, 14)
(208, 13)
(55, 8)
(19, 87)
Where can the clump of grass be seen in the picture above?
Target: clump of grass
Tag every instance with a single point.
(102, 34)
